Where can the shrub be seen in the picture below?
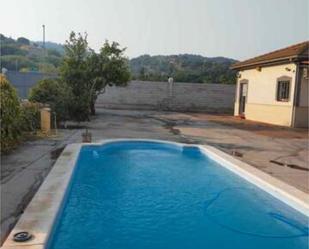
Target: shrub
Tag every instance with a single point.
(30, 116)
(10, 114)
(23, 40)
(54, 93)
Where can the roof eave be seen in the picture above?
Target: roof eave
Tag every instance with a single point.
(276, 61)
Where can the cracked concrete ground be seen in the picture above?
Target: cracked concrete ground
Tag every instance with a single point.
(23, 170)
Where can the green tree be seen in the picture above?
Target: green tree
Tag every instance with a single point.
(54, 93)
(47, 68)
(23, 41)
(107, 68)
(10, 114)
(88, 73)
(74, 74)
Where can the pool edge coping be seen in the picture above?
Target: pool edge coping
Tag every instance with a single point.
(40, 214)
(286, 193)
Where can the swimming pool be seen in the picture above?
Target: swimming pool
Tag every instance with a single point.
(155, 195)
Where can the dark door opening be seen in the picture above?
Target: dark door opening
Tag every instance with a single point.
(243, 90)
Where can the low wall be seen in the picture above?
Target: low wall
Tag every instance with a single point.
(193, 97)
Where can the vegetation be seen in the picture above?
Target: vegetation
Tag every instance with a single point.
(73, 74)
(16, 118)
(183, 68)
(54, 93)
(87, 73)
(24, 55)
(84, 74)
(23, 41)
(107, 68)
(29, 120)
(10, 115)
(52, 46)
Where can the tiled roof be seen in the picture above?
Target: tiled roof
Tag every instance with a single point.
(297, 51)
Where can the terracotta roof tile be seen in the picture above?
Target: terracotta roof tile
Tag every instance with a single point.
(297, 50)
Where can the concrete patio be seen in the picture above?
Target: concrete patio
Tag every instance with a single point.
(281, 152)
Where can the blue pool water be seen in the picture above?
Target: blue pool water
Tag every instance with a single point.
(146, 195)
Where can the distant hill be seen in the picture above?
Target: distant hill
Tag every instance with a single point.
(183, 68)
(52, 45)
(24, 55)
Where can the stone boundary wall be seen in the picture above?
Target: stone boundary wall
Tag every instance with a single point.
(191, 97)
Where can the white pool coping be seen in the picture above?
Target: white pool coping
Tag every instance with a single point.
(41, 212)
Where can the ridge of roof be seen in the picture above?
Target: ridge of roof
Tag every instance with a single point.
(295, 50)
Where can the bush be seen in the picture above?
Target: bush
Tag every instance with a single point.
(54, 93)
(10, 115)
(23, 40)
(30, 116)
(16, 118)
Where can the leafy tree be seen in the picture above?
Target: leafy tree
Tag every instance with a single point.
(54, 93)
(29, 120)
(47, 68)
(10, 113)
(88, 73)
(16, 117)
(107, 68)
(73, 73)
(23, 40)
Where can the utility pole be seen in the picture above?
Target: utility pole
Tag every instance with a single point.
(44, 48)
(43, 36)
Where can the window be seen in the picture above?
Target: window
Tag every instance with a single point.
(283, 90)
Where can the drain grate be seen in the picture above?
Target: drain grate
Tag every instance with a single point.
(22, 236)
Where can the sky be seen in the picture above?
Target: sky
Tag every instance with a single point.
(237, 29)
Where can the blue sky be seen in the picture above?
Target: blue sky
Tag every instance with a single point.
(233, 28)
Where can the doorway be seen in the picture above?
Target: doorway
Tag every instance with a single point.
(243, 92)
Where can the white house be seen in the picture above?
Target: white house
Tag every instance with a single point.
(273, 88)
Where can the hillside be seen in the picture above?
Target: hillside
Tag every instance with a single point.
(183, 68)
(52, 45)
(24, 55)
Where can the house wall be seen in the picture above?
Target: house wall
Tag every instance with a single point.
(261, 97)
(195, 97)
